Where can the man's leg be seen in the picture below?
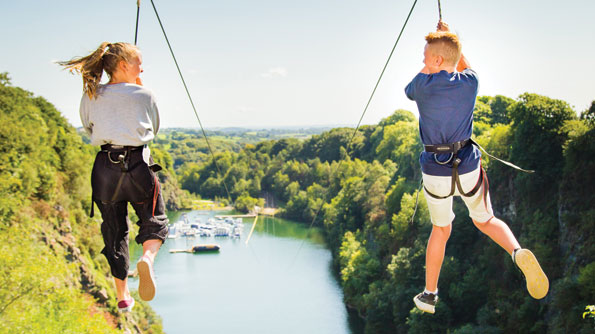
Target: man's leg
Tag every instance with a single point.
(442, 216)
(498, 231)
(435, 255)
(482, 214)
(426, 301)
(480, 210)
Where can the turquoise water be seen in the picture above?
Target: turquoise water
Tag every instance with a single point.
(263, 287)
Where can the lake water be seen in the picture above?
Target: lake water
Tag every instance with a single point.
(281, 282)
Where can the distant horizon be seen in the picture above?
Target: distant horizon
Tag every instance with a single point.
(280, 127)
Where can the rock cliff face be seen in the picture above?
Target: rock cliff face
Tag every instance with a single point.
(576, 204)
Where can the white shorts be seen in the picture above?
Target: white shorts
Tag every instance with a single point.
(441, 209)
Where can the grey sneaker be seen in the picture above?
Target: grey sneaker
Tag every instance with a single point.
(426, 302)
(537, 282)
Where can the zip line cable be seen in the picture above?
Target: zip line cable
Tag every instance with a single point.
(358, 124)
(137, 15)
(439, 11)
(192, 103)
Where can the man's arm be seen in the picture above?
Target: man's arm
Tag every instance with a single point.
(463, 62)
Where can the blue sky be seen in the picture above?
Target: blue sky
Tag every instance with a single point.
(265, 63)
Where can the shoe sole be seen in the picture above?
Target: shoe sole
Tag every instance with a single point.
(146, 285)
(423, 306)
(537, 282)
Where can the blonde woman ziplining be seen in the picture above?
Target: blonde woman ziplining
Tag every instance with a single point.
(122, 117)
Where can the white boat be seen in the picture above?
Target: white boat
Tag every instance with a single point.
(190, 232)
(222, 231)
(236, 232)
(173, 233)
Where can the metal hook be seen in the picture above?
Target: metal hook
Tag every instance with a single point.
(445, 162)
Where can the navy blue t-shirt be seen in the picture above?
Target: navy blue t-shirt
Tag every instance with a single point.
(445, 102)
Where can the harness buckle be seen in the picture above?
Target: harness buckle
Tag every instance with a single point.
(443, 162)
(121, 159)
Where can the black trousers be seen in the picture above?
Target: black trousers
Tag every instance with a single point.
(116, 183)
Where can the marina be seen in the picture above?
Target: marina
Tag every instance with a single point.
(280, 282)
(204, 226)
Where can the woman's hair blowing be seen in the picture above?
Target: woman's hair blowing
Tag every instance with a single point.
(105, 58)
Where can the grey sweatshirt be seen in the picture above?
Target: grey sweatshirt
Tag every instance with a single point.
(121, 114)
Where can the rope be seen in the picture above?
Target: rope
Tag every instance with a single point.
(421, 183)
(137, 15)
(439, 11)
(192, 103)
(358, 125)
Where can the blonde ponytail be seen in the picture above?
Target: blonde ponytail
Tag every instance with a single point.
(105, 58)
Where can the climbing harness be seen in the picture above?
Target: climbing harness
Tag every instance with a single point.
(453, 149)
(122, 158)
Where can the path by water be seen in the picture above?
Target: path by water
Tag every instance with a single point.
(260, 288)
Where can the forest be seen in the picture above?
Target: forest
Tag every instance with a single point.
(359, 187)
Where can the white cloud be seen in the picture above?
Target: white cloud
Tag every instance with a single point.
(275, 72)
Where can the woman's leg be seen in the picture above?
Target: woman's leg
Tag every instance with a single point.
(122, 292)
(115, 236)
(151, 247)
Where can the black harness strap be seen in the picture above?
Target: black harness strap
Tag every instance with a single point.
(509, 164)
(456, 182)
(447, 148)
(123, 159)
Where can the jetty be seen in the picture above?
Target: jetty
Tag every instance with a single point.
(252, 214)
(198, 249)
(248, 215)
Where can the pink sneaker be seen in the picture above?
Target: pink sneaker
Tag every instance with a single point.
(126, 305)
(146, 279)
